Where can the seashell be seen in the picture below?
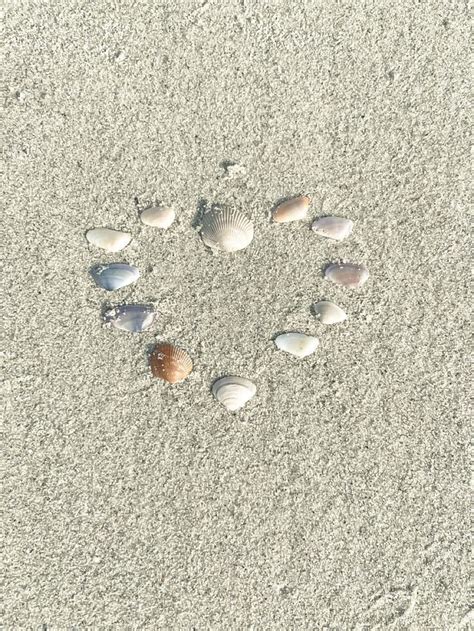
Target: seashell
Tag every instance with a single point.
(132, 318)
(328, 312)
(347, 274)
(291, 209)
(158, 216)
(114, 275)
(226, 229)
(297, 344)
(108, 239)
(170, 363)
(337, 228)
(233, 392)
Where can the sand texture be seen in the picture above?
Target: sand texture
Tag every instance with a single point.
(337, 498)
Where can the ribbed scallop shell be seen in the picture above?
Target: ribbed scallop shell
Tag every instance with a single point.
(226, 229)
(233, 392)
(337, 228)
(108, 239)
(349, 275)
(297, 344)
(292, 209)
(158, 216)
(131, 318)
(114, 275)
(328, 312)
(170, 363)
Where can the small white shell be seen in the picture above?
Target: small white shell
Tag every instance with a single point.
(226, 229)
(292, 209)
(337, 228)
(131, 318)
(233, 392)
(114, 275)
(328, 312)
(297, 344)
(349, 275)
(108, 239)
(158, 216)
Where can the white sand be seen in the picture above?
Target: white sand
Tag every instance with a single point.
(338, 497)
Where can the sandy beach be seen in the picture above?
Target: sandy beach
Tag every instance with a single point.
(337, 498)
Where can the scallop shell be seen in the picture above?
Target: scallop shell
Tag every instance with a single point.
(114, 275)
(132, 318)
(297, 344)
(158, 216)
(170, 363)
(337, 228)
(347, 274)
(108, 239)
(328, 312)
(226, 229)
(292, 209)
(233, 392)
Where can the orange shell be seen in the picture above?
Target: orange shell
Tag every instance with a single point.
(170, 363)
(291, 209)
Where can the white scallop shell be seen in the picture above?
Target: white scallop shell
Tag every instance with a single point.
(226, 229)
(233, 392)
(328, 312)
(297, 344)
(337, 228)
(349, 275)
(108, 239)
(158, 216)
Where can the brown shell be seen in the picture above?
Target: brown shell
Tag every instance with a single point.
(170, 363)
(292, 209)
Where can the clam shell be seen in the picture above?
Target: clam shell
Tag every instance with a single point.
(233, 392)
(337, 228)
(132, 318)
(108, 239)
(328, 312)
(226, 229)
(170, 363)
(347, 274)
(114, 275)
(158, 216)
(292, 209)
(297, 344)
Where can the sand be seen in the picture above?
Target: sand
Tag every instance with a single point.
(338, 497)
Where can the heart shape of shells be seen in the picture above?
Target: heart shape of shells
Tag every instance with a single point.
(225, 230)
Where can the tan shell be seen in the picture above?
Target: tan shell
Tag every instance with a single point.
(226, 229)
(158, 216)
(292, 209)
(349, 275)
(170, 363)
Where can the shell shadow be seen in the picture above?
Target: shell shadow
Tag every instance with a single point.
(138, 207)
(214, 381)
(203, 206)
(312, 308)
(225, 164)
(149, 348)
(278, 333)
